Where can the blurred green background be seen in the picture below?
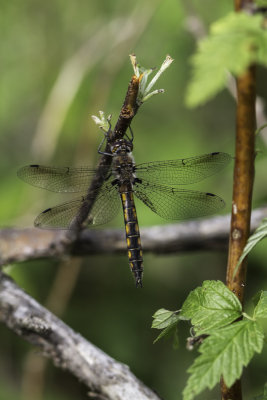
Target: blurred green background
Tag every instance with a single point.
(61, 62)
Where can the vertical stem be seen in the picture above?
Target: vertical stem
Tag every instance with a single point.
(242, 194)
(242, 190)
(243, 180)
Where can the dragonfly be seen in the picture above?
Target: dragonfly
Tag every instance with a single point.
(154, 183)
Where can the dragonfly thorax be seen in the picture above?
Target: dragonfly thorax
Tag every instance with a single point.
(123, 162)
(123, 167)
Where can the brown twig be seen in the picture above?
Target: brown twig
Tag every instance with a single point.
(127, 113)
(242, 192)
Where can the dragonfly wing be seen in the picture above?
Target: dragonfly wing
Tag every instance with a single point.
(104, 209)
(183, 171)
(106, 205)
(59, 216)
(64, 179)
(177, 204)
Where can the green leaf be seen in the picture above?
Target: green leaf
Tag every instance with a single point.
(170, 330)
(259, 234)
(225, 352)
(166, 320)
(235, 42)
(260, 310)
(211, 306)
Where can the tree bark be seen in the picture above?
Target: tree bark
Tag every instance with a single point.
(105, 377)
(18, 245)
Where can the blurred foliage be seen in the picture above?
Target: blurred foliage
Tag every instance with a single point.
(247, 46)
(61, 62)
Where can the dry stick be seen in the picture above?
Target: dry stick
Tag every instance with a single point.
(34, 366)
(18, 245)
(242, 194)
(105, 377)
(127, 113)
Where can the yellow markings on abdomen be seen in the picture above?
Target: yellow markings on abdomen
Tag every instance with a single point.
(132, 236)
(124, 198)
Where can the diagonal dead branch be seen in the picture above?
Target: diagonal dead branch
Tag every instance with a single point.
(128, 111)
(67, 349)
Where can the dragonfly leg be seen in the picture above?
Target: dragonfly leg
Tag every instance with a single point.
(106, 137)
(132, 135)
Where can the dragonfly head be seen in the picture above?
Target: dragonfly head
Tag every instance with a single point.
(122, 146)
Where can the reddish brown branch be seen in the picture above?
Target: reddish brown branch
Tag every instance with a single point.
(242, 196)
(242, 192)
(243, 180)
(129, 108)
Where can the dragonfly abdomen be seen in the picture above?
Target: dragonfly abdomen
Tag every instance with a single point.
(132, 235)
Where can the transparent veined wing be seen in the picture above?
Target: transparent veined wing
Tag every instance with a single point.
(176, 204)
(62, 179)
(105, 208)
(183, 171)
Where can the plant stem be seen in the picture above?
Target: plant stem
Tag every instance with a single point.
(243, 180)
(242, 193)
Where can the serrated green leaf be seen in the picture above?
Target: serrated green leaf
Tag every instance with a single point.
(166, 320)
(225, 352)
(167, 332)
(211, 306)
(261, 308)
(259, 234)
(235, 42)
(163, 318)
